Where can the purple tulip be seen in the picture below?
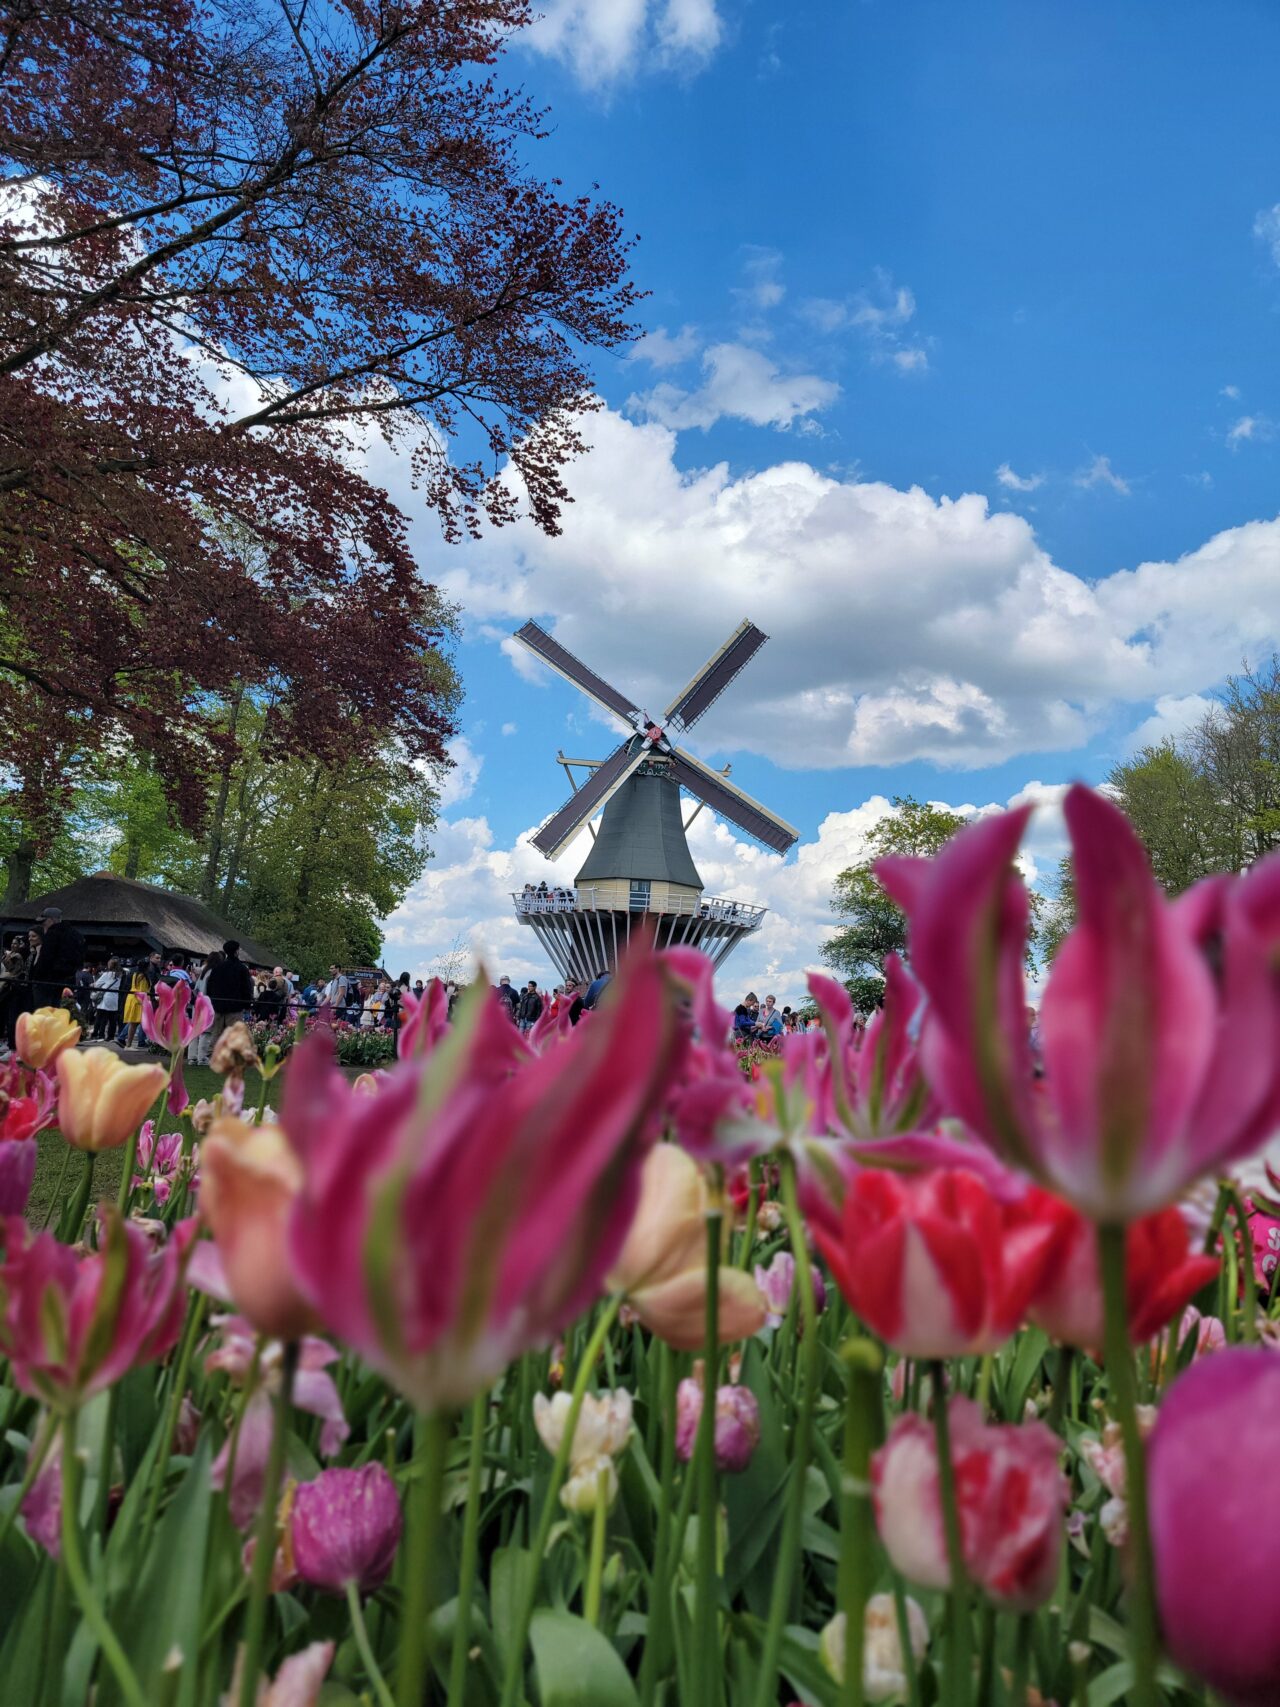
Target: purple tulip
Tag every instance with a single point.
(17, 1170)
(777, 1282)
(737, 1425)
(346, 1528)
(1215, 1524)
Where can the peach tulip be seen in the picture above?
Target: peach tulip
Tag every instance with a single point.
(662, 1267)
(250, 1177)
(43, 1035)
(101, 1101)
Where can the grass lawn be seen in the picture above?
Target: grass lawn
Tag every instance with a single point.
(200, 1082)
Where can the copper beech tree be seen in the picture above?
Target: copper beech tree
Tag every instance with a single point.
(238, 243)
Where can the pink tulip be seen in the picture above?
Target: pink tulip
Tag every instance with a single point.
(42, 1508)
(876, 1084)
(298, 1683)
(474, 1206)
(345, 1528)
(777, 1283)
(72, 1326)
(1012, 1497)
(424, 1020)
(1215, 1524)
(17, 1170)
(171, 1027)
(737, 1425)
(1155, 1071)
(251, 1177)
(158, 1161)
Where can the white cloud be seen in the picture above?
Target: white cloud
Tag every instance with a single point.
(663, 349)
(741, 382)
(1174, 714)
(762, 269)
(903, 626)
(603, 41)
(1267, 227)
(1249, 429)
(1100, 473)
(882, 315)
(1018, 482)
(1232, 391)
(460, 783)
(510, 728)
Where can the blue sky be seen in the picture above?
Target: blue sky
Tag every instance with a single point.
(961, 381)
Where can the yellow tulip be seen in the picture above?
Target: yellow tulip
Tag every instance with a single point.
(101, 1101)
(43, 1035)
(662, 1267)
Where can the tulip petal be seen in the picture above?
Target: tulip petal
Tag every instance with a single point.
(675, 1310)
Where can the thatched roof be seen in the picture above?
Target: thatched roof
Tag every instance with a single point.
(104, 905)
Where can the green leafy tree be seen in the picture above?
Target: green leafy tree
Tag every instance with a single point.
(873, 925)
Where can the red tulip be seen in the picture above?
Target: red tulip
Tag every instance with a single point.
(934, 1263)
(1163, 1273)
(1011, 1494)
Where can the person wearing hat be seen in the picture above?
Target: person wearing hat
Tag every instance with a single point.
(57, 961)
(230, 991)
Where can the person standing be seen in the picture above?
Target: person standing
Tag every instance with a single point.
(59, 958)
(529, 1008)
(507, 995)
(334, 994)
(200, 1048)
(107, 989)
(596, 988)
(230, 991)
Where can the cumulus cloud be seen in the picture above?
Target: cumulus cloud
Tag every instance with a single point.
(459, 783)
(741, 382)
(1173, 715)
(603, 41)
(882, 314)
(1266, 227)
(662, 349)
(762, 275)
(903, 626)
(1018, 482)
(1099, 472)
(1249, 429)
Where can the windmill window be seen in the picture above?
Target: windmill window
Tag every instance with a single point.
(640, 894)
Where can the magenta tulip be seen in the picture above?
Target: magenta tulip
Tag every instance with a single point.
(474, 1206)
(424, 1019)
(345, 1528)
(1156, 1071)
(171, 1027)
(1215, 1523)
(737, 1425)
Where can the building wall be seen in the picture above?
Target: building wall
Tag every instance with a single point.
(616, 894)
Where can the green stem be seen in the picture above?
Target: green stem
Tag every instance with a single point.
(864, 1364)
(265, 1552)
(470, 1554)
(909, 1663)
(754, 1193)
(1021, 1660)
(958, 1683)
(160, 1469)
(1124, 1392)
(431, 1444)
(1061, 1388)
(706, 1633)
(106, 1462)
(793, 1519)
(78, 1577)
(81, 1201)
(361, 1634)
(1249, 1304)
(520, 1636)
(595, 1562)
(660, 1585)
(55, 1202)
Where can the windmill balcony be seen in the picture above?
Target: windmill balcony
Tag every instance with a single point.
(591, 897)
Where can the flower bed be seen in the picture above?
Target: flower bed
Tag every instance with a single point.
(463, 1385)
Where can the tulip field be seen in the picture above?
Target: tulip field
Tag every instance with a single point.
(931, 1361)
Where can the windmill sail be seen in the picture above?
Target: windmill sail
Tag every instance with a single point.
(732, 803)
(575, 671)
(715, 675)
(605, 780)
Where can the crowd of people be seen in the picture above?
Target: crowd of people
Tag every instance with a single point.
(527, 1004)
(755, 1021)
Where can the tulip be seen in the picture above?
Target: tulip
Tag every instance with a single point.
(72, 1326)
(1163, 1273)
(298, 1683)
(1011, 1496)
(934, 1264)
(1155, 1071)
(250, 1180)
(233, 1054)
(1215, 1524)
(474, 1206)
(1105, 1457)
(28, 1100)
(17, 1170)
(424, 1020)
(43, 1035)
(168, 1022)
(101, 1101)
(737, 1428)
(662, 1267)
(345, 1527)
(42, 1508)
(777, 1283)
(873, 1073)
(601, 1435)
(884, 1676)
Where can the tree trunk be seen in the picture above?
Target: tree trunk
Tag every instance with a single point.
(18, 873)
(218, 818)
(132, 858)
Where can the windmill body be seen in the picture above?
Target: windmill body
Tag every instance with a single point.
(639, 878)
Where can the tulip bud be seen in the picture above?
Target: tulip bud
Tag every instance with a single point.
(101, 1101)
(883, 1672)
(737, 1426)
(591, 1478)
(602, 1432)
(346, 1528)
(777, 1282)
(250, 1178)
(17, 1170)
(42, 1508)
(233, 1054)
(43, 1035)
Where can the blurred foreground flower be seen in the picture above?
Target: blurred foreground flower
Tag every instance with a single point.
(933, 1264)
(40, 1037)
(345, 1527)
(250, 1180)
(1215, 1524)
(1105, 1457)
(71, 1326)
(662, 1267)
(737, 1425)
(884, 1676)
(1012, 1498)
(102, 1101)
(602, 1433)
(298, 1683)
(1155, 1071)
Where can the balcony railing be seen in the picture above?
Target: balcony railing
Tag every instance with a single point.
(589, 897)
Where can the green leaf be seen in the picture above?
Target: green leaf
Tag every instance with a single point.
(507, 1581)
(1113, 1685)
(22, 1654)
(576, 1666)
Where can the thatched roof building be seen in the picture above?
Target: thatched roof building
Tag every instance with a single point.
(119, 915)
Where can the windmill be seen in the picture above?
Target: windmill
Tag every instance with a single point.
(639, 877)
